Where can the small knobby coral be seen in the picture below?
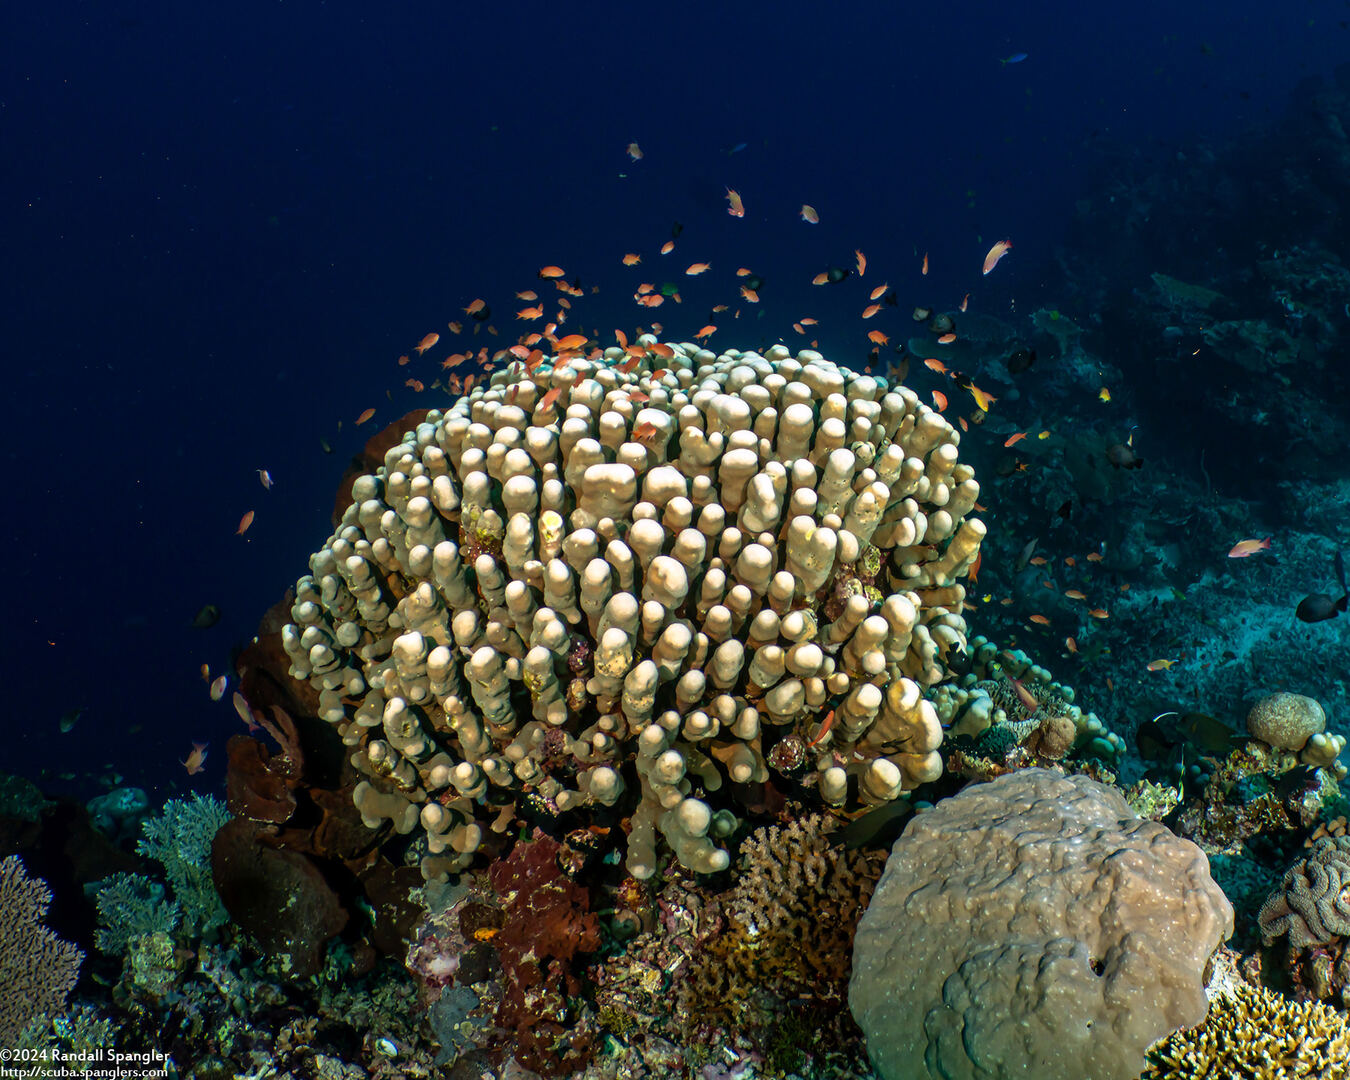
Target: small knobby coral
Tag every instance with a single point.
(1312, 904)
(37, 969)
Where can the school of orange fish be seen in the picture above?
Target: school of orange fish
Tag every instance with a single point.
(557, 312)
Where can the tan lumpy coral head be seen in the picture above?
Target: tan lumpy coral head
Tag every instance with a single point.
(1034, 926)
(1286, 721)
(651, 564)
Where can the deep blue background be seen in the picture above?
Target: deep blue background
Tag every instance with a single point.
(222, 224)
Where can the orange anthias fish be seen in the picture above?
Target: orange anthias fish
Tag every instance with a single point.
(707, 331)
(426, 343)
(265, 478)
(1040, 620)
(825, 726)
(244, 523)
(698, 268)
(934, 364)
(965, 300)
(940, 400)
(667, 247)
(877, 293)
(549, 398)
(550, 272)
(1099, 613)
(924, 269)
(1075, 594)
(870, 310)
(947, 338)
(571, 342)
(876, 337)
(475, 306)
(1025, 696)
(536, 312)
(995, 253)
(735, 207)
(809, 214)
(982, 399)
(862, 262)
(632, 259)
(1243, 548)
(196, 761)
(366, 415)
(1015, 438)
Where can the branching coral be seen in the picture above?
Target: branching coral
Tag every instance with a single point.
(789, 938)
(1255, 1033)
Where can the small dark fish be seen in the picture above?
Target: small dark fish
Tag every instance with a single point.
(836, 274)
(737, 148)
(482, 314)
(1153, 741)
(1317, 607)
(754, 283)
(1021, 361)
(1299, 780)
(1065, 510)
(206, 618)
(878, 828)
(922, 313)
(1028, 550)
(69, 719)
(675, 231)
(1122, 455)
(1015, 58)
(1208, 733)
(941, 323)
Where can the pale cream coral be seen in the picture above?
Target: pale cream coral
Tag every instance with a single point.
(517, 587)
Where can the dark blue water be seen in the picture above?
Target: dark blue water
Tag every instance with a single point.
(223, 224)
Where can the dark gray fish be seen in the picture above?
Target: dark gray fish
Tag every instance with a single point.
(69, 719)
(1021, 361)
(1317, 607)
(206, 618)
(878, 828)
(1028, 550)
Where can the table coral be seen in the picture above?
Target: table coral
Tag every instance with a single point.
(614, 584)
